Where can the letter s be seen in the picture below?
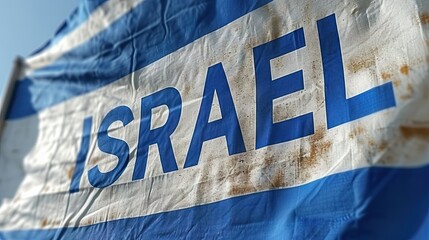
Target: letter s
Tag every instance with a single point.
(113, 146)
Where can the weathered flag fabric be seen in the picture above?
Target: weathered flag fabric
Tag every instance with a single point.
(222, 119)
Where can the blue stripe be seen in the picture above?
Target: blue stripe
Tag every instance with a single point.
(79, 15)
(371, 203)
(152, 30)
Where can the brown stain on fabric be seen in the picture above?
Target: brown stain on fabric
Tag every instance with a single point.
(186, 89)
(241, 185)
(314, 66)
(278, 179)
(363, 61)
(410, 88)
(113, 215)
(318, 147)
(410, 92)
(383, 145)
(386, 76)
(241, 189)
(70, 172)
(280, 114)
(358, 64)
(86, 222)
(405, 97)
(45, 223)
(396, 83)
(424, 18)
(243, 178)
(405, 69)
(415, 132)
(240, 177)
(371, 143)
(269, 160)
(274, 24)
(356, 132)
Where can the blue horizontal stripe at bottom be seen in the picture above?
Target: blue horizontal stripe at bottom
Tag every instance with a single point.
(370, 203)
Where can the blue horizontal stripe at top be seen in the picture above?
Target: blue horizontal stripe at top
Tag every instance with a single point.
(370, 203)
(79, 16)
(152, 30)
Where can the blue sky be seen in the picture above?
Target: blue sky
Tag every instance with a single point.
(25, 25)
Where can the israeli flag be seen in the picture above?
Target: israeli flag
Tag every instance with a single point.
(222, 119)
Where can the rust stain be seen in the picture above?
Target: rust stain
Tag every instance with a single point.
(424, 18)
(278, 65)
(241, 180)
(410, 93)
(275, 24)
(386, 76)
(70, 172)
(307, 13)
(410, 88)
(405, 69)
(415, 132)
(269, 175)
(113, 215)
(356, 132)
(405, 97)
(45, 222)
(186, 90)
(386, 160)
(240, 189)
(396, 83)
(383, 145)
(205, 173)
(319, 146)
(314, 68)
(280, 114)
(371, 143)
(86, 222)
(318, 135)
(364, 61)
(278, 180)
(269, 160)
(358, 64)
